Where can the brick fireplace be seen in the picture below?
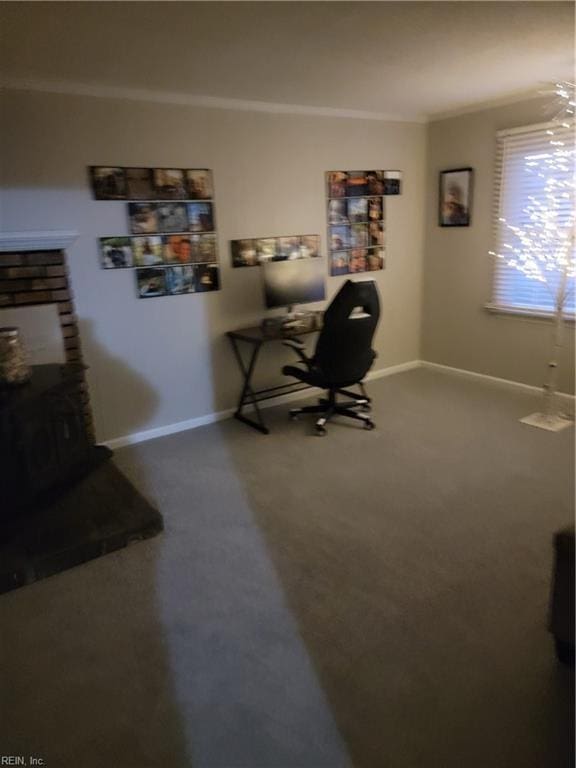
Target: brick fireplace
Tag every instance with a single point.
(33, 271)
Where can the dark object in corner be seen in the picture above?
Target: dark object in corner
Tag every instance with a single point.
(44, 443)
(101, 513)
(561, 622)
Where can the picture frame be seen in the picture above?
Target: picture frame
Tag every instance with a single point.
(455, 187)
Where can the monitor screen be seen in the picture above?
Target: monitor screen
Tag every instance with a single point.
(297, 281)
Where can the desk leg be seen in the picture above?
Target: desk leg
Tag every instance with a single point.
(247, 396)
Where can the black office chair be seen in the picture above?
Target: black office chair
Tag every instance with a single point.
(343, 355)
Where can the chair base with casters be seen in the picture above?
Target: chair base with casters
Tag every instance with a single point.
(330, 406)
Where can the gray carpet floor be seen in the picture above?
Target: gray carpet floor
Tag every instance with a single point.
(370, 599)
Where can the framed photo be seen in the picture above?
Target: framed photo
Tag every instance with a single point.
(139, 184)
(359, 236)
(375, 259)
(357, 184)
(169, 184)
(143, 218)
(180, 280)
(116, 252)
(200, 217)
(147, 251)
(392, 182)
(358, 260)
(199, 184)
(266, 249)
(310, 246)
(151, 282)
(358, 209)
(375, 182)
(288, 248)
(207, 249)
(339, 238)
(172, 217)
(108, 183)
(207, 277)
(336, 183)
(375, 209)
(177, 249)
(338, 211)
(375, 233)
(339, 263)
(455, 197)
(244, 253)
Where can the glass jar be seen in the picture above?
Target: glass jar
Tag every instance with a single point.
(14, 368)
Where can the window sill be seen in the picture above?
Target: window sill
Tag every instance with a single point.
(534, 314)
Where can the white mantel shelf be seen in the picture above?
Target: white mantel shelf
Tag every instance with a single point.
(47, 240)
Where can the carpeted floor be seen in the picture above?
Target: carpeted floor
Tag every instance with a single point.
(369, 599)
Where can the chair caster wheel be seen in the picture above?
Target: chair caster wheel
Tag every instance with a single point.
(293, 416)
(369, 425)
(320, 431)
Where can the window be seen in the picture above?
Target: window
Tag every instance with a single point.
(528, 167)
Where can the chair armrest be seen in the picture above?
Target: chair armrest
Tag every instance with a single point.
(298, 347)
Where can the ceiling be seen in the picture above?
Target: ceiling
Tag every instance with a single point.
(410, 60)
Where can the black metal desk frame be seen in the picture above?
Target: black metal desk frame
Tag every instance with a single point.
(255, 337)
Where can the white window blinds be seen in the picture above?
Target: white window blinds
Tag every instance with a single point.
(528, 167)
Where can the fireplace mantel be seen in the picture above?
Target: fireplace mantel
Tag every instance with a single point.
(46, 240)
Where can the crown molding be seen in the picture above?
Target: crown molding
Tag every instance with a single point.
(48, 240)
(189, 100)
(480, 106)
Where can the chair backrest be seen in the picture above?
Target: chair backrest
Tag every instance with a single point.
(344, 353)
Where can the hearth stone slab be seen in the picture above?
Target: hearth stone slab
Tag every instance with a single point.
(101, 513)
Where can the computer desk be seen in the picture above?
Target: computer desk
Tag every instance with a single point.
(255, 337)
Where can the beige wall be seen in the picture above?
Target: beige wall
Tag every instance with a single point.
(160, 361)
(456, 329)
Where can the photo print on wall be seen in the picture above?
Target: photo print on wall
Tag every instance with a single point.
(251, 252)
(356, 218)
(172, 247)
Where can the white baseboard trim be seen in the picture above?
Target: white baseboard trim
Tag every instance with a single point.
(211, 418)
(564, 396)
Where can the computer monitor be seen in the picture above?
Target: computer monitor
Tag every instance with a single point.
(297, 281)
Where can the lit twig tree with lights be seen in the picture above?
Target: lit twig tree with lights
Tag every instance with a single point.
(542, 248)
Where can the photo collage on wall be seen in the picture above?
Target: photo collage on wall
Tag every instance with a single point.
(252, 252)
(172, 247)
(356, 219)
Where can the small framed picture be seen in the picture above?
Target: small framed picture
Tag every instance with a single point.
(338, 211)
(375, 233)
(143, 218)
(392, 182)
(139, 184)
(172, 217)
(200, 217)
(339, 238)
(336, 183)
(375, 209)
(207, 277)
(116, 252)
(358, 260)
(180, 280)
(339, 263)
(108, 183)
(310, 246)
(288, 248)
(147, 251)
(358, 209)
(208, 250)
(151, 282)
(169, 184)
(375, 182)
(359, 236)
(199, 184)
(375, 259)
(455, 197)
(177, 249)
(244, 253)
(266, 249)
(357, 184)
